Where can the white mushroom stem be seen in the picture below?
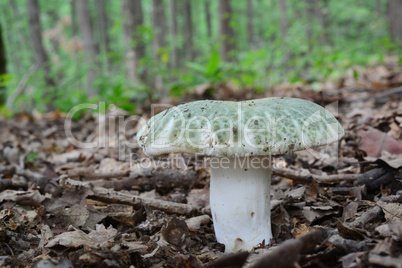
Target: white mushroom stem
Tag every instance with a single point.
(240, 202)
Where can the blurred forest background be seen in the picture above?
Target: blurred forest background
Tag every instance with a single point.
(56, 54)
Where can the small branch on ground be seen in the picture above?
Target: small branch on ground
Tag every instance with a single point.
(373, 179)
(304, 175)
(111, 196)
(302, 245)
(367, 216)
(87, 173)
(161, 180)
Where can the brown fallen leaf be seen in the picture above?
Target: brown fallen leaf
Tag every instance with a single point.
(314, 213)
(95, 239)
(349, 233)
(375, 141)
(175, 232)
(349, 211)
(28, 198)
(302, 229)
(312, 191)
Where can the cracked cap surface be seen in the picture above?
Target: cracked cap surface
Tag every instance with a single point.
(225, 128)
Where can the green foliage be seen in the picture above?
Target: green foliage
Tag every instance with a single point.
(31, 157)
(355, 35)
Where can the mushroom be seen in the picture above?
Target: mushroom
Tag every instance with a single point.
(240, 138)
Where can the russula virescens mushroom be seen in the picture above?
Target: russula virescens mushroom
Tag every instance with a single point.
(240, 137)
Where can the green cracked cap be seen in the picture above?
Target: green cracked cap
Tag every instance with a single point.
(225, 128)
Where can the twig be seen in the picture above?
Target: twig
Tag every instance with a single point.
(291, 249)
(111, 196)
(367, 216)
(373, 179)
(161, 180)
(91, 174)
(379, 96)
(305, 176)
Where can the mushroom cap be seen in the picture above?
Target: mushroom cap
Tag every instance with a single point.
(247, 128)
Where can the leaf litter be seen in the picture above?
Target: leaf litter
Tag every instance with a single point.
(61, 206)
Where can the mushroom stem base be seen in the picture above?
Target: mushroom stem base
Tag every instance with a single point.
(240, 203)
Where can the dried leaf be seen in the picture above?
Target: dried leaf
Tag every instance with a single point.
(28, 198)
(349, 211)
(196, 222)
(374, 142)
(349, 233)
(175, 232)
(95, 239)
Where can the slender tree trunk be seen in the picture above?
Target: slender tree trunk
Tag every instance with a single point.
(283, 7)
(140, 51)
(159, 23)
(11, 20)
(260, 25)
(41, 57)
(129, 39)
(173, 25)
(326, 21)
(395, 19)
(318, 14)
(250, 22)
(225, 30)
(73, 14)
(90, 48)
(103, 30)
(3, 66)
(378, 8)
(309, 24)
(188, 29)
(159, 41)
(284, 25)
(208, 18)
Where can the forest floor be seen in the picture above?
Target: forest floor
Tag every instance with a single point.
(61, 206)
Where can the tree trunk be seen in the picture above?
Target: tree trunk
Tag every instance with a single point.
(309, 24)
(129, 39)
(103, 30)
(318, 14)
(225, 30)
(173, 25)
(188, 29)
(73, 14)
(159, 23)
(11, 23)
(159, 41)
(378, 8)
(90, 48)
(3, 66)
(283, 7)
(250, 22)
(140, 51)
(41, 58)
(208, 18)
(284, 24)
(326, 23)
(395, 19)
